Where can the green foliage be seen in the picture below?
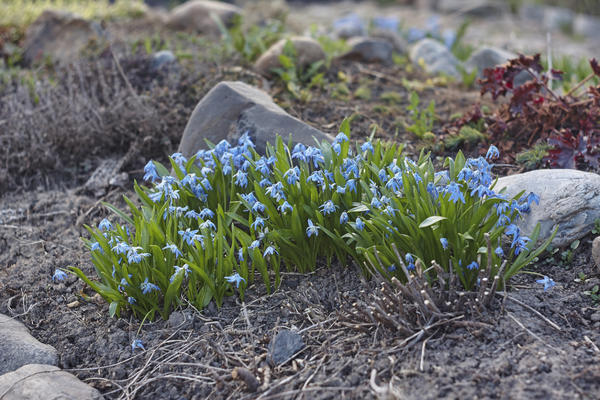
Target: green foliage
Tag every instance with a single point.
(298, 80)
(466, 135)
(250, 43)
(229, 216)
(574, 71)
(533, 158)
(23, 12)
(461, 50)
(422, 119)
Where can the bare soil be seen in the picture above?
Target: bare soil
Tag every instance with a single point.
(547, 349)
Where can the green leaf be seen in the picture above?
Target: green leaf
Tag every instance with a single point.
(434, 219)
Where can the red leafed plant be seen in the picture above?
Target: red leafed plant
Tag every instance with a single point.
(534, 112)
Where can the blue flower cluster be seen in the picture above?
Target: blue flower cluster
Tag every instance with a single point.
(292, 206)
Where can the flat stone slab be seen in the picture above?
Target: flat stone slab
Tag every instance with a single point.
(18, 347)
(44, 382)
(231, 109)
(568, 197)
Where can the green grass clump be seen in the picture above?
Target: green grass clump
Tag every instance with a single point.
(21, 13)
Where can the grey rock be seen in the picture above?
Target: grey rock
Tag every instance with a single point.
(473, 8)
(196, 16)
(231, 108)
(488, 57)
(557, 18)
(399, 44)
(436, 57)
(348, 26)
(532, 12)
(587, 25)
(369, 50)
(161, 59)
(283, 346)
(308, 51)
(59, 35)
(44, 382)
(595, 317)
(180, 319)
(570, 198)
(107, 174)
(18, 347)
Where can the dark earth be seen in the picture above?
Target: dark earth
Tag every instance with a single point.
(530, 344)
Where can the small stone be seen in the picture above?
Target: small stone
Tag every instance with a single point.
(308, 51)
(177, 319)
(73, 304)
(162, 59)
(60, 35)
(489, 57)
(595, 317)
(196, 16)
(596, 251)
(399, 44)
(568, 197)
(557, 18)
(231, 109)
(369, 50)
(434, 57)
(349, 26)
(587, 25)
(43, 382)
(283, 346)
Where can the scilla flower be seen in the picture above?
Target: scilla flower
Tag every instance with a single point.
(312, 229)
(59, 275)
(235, 278)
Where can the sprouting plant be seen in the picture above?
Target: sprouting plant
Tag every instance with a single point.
(467, 135)
(298, 80)
(534, 157)
(422, 119)
(250, 43)
(228, 216)
(596, 229)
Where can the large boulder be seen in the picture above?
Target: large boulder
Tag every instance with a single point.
(489, 57)
(59, 35)
(232, 108)
(197, 16)
(434, 57)
(568, 197)
(18, 347)
(308, 51)
(44, 382)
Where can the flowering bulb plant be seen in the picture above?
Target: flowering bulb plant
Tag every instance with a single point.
(228, 214)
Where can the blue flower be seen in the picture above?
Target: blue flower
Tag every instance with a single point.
(343, 218)
(285, 207)
(533, 198)
(411, 266)
(120, 248)
(512, 229)
(292, 175)
(360, 225)
(367, 146)
(95, 246)
(263, 164)
(341, 137)
(148, 287)
(189, 235)
(392, 268)
(137, 344)
(241, 178)
(492, 153)
(417, 177)
(131, 300)
(240, 254)
(264, 183)
(192, 214)
(382, 175)
(173, 249)
(455, 194)
(444, 243)
(481, 191)
(499, 252)
(59, 275)
(105, 225)
(391, 211)
(134, 257)
(449, 37)
(259, 221)
(340, 189)
(235, 278)
(312, 229)
(351, 185)
(313, 154)
(547, 282)
(375, 203)
(337, 148)
(185, 268)
(250, 198)
(299, 152)
(258, 207)
(269, 251)
(150, 172)
(386, 23)
(328, 207)
(473, 266)
(415, 34)
(316, 177)
(208, 225)
(206, 213)
(395, 183)
(179, 159)
(409, 258)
